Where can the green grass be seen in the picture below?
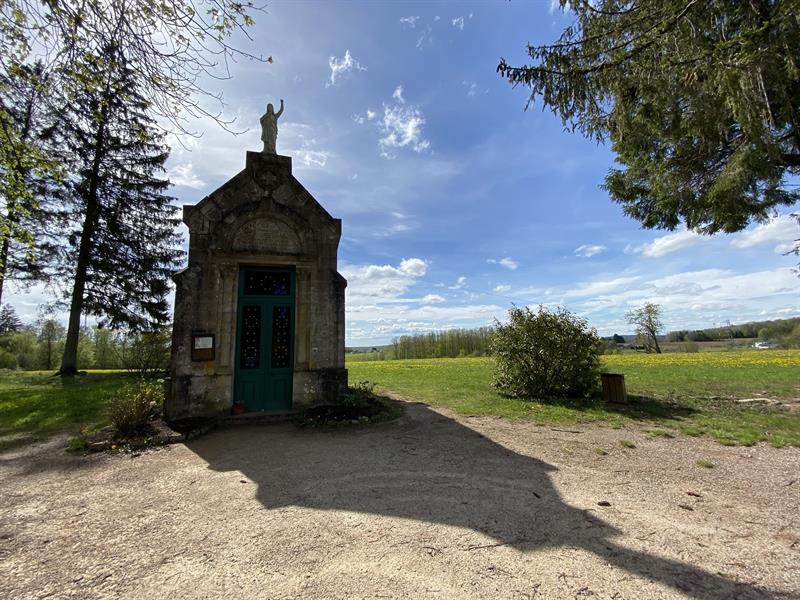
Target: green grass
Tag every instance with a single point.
(690, 393)
(34, 405)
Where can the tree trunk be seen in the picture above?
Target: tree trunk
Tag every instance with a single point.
(655, 343)
(3, 262)
(69, 362)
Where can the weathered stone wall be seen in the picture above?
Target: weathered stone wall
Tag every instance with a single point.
(261, 217)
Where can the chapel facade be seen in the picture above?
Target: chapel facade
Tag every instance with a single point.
(259, 309)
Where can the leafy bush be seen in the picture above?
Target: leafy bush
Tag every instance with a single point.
(7, 359)
(545, 354)
(147, 353)
(132, 412)
(358, 395)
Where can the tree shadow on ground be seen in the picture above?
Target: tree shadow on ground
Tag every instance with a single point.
(648, 408)
(430, 468)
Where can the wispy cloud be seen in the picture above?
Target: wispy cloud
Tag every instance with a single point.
(410, 22)
(589, 250)
(667, 244)
(502, 289)
(340, 66)
(401, 127)
(782, 231)
(425, 38)
(460, 283)
(458, 23)
(433, 299)
(506, 263)
(472, 87)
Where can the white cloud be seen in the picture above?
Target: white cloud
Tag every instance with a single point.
(410, 22)
(398, 94)
(554, 6)
(401, 127)
(371, 283)
(597, 288)
(460, 283)
(471, 87)
(502, 289)
(782, 230)
(506, 263)
(458, 23)
(433, 299)
(588, 250)
(300, 143)
(667, 244)
(416, 267)
(340, 66)
(436, 18)
(184, 175)
(358, 119)
(311, 157)
(371, 115)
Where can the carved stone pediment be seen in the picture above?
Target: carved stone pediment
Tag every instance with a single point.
(266, 236)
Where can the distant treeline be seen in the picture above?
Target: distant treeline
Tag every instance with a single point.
(40, 345)
(440, 344)
(475, 342)
(774, 330)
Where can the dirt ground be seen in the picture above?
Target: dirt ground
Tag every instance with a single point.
(430, 506)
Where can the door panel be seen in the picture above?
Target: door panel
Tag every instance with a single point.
(265, 339)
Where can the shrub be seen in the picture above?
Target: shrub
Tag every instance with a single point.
(7, 359)
(689, 347)
(146, 354)
(545, 354)
(131, 412)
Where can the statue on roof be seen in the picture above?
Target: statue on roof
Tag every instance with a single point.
(269, 129)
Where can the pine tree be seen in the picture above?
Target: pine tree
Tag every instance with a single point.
(9, 321)
(123, 246)
(28, 173)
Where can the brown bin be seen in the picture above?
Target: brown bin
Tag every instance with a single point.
(614, 387)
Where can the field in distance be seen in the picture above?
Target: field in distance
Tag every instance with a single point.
(734, 397)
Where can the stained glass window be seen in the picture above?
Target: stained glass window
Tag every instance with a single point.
(251, 337)
(281, 322)
(264, 283)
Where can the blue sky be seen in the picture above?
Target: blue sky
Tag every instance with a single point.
(456, 202)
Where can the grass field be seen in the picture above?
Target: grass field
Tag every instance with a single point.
(35, 404)
(691, 393)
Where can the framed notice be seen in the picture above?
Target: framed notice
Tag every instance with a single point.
(202, 347)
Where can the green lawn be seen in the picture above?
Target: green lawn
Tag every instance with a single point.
(691, 393)
(34, 405)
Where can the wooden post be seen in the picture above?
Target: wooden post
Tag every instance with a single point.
(614, 388)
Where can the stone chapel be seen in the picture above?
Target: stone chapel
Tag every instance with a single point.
(259, 309)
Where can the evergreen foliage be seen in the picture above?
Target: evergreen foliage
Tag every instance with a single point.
(699, 99)
(28, 173)
(545, 354)
(123, 239)
(9, 321)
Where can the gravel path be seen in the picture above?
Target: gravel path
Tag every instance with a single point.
(431, 506)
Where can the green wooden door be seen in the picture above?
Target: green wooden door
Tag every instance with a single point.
(264, 339)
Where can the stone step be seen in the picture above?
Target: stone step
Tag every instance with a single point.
(252, 418)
